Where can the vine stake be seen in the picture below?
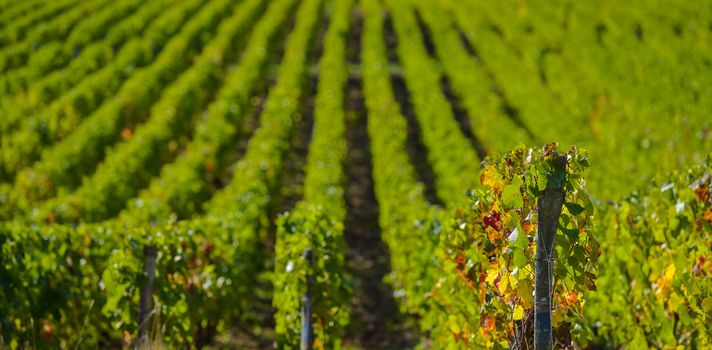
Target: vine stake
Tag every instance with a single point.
(145, 303)
(307, 337)
(550, 204)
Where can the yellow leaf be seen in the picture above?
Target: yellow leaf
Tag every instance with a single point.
(491, 178)
(493, 235)
(670, 272)
(486, 338)
(518, 313)
(503, 284)
(524, 290)
(491, 275)
(508, 219)
(664, 282)
(496, 207)
(557, 316)
(507, 287)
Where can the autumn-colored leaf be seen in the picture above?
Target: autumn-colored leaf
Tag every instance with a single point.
(489, 324)
(491, 178)
(47, 330)
(493, 235)
(571, 298)
(528, 227)
(708, 215)
(493, 220)
(702, 193)
(664, 282)
(518, 313)
(549, 149)
(126, 134)
(128, 339)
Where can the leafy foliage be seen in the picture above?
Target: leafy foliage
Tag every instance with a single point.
(484, 296)
(185, 183)
(83, 282)
(583, 76)
(103, 117)
(97, 65)
(310, 228)
(440, 131)
(130, 165)
(409, 224)
(655, 280)
(63, 165)
(316, 224)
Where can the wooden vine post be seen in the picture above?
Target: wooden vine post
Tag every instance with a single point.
(307, 335)
(550, 205)
(145, 304)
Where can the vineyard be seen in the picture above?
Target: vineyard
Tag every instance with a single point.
(356, 174)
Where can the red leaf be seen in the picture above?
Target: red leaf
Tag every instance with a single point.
(47, 330)
(493, 220)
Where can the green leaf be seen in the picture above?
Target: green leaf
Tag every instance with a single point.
(586, 202)
(520, 259)
(512, 195)
(541, 182)
(453, 324)
(570, 233)
(707, 304)
(574, 208)
(517, 239)
(684, 315)
(557, 180)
